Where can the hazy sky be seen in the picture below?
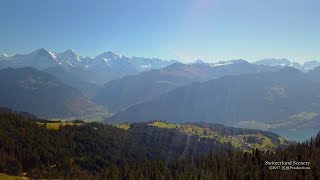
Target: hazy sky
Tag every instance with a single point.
(171, 29)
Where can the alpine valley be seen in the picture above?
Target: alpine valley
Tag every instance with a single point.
(66, 116)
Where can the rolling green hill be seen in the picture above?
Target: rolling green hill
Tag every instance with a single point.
(244, 139)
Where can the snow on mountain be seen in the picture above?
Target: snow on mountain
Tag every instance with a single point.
(146, 64)
(295, 65)
(140, 64)
(278, 62)
(53, 55)
(273, 62)
(69, 58)
(307, 66)
(145, 67)
(118, 64)
(221, 63)
(109, 55)
(224, 63)
(39, 59)
(111, 58)
(108, 61)
(4, 55)
(77, 70)
(199, 61)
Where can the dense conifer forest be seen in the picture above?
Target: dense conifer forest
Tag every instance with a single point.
(94, 150)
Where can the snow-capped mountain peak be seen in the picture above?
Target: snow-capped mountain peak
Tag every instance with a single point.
(70, 51)
(221, 63)
(69, 58)
(39, 59)
(274, 62)
(107, 62)
(70, 55)
(42, 53)
(237, 61)
(224, 63)
(53, 55)
(4, 56)
(307, 66)
(199, 61)
(314, 62)
(109, 55)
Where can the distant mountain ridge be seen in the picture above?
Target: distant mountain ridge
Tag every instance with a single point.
(34, 91)
(88, 73)
(85, 73)
(42, 59)
(39, 59)
(122, 93)
(118, 82)
(307, 66)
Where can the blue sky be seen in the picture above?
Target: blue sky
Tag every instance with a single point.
(186, 30)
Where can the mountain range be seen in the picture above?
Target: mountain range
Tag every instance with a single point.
(42, 59)
(119, 94)
(271, 94)
(305, 67)
(276, 99)
(85, 73)
(119, 65)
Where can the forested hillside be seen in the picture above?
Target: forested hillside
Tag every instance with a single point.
(94, 150)
(27, 146)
